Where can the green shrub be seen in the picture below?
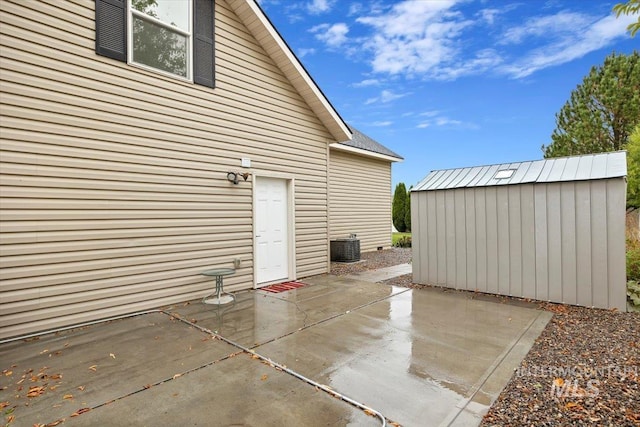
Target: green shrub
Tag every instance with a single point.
(633, 264)
(403, 242)
(633, 249)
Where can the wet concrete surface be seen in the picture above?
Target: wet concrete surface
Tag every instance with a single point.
(87, 367)
(420, 357)
(239, 391)
(382, 274)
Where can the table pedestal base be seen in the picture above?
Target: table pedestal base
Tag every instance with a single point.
(222, 299)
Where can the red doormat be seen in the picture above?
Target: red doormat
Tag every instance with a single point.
(283, 287)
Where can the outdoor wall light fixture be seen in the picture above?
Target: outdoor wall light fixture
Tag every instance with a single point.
(235, 176)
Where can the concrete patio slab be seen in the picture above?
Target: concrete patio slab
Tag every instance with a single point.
(86, 367)
(382, 274)
(419, 356)
(277, 314)
(239, 391)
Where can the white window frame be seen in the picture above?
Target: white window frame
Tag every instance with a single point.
(131, 12)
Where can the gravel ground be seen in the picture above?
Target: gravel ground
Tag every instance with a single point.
(372, 261)
(583, 370)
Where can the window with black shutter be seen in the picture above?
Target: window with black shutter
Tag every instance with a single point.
(173, 37)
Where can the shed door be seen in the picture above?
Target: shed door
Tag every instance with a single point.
(272, 251)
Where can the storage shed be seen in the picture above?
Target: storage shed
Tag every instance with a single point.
(552, 230)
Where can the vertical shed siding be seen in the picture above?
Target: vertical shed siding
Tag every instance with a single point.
(562, 242)
(114, 190)
(360, 199)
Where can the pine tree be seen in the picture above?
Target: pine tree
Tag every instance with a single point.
(398, 207)
(407, 212)
(601, 112)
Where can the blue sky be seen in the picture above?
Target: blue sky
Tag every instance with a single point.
(451, 83)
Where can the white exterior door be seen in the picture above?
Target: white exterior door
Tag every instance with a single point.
(271, 228)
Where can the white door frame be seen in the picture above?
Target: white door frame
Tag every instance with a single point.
(291, 227)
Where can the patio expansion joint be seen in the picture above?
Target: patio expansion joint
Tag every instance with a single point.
(283, 368)
(327, 319)
(160, 382)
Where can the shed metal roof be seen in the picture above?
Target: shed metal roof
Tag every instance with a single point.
(575, 168)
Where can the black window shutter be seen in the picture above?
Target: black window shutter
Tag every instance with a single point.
(111, 29)
(203, 53)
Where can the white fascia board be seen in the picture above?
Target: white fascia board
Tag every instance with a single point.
(365, 153)
(257, 22)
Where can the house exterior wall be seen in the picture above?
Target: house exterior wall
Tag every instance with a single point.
(560, 242)
(360, 199)
(113, 178)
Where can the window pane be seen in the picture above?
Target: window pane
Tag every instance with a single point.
(159, 48)
(172, 12)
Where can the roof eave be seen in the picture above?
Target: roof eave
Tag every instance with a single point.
(366, 153)
(263, 30)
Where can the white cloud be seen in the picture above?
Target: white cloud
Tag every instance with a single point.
(355, 8)
(436, 119)
(385, 97)
(302, 52)
(320, 6)
(560, 24)
(367, 82)
(381, 124)
(568, 40)
(388, 96)
(415, 37)
(489, 15)
(434, 40)
(333, 35)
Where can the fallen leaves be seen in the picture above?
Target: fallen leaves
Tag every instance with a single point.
(573, 406)
(113, 356)
(7, 373)
(264, 377)
(67, 396)
(93, 368)
(4, 405)
(54, 423)
(80, 411)
(35, 391)
(81, 387)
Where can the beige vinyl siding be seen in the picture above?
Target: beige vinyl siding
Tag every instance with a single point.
(113, 178)
(360, 199)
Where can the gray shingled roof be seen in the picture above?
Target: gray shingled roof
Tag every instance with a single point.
(575, 168)
(363, 142)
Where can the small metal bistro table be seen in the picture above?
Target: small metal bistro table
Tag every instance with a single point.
(219, 273)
